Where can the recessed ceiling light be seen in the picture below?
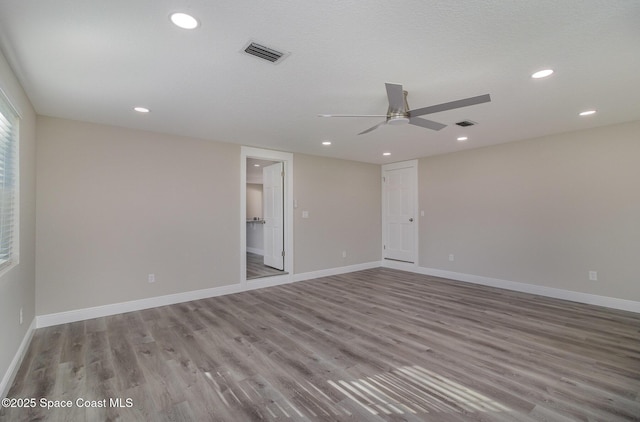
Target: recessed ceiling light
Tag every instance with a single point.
(386, 153)
(326, 142)
(462, 138)
(542, 73)
(141, 109)
(588, 113)
(184, 21)
(256, 165)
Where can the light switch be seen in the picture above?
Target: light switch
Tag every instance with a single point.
(305, 214)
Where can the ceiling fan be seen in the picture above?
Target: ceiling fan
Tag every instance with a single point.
(399, 112)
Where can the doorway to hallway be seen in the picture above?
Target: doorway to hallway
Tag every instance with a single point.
(264, 218)
(267, 215)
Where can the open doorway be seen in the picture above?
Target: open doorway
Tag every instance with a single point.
(267, 208)
(265, 218)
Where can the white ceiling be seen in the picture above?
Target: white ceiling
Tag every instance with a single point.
(95, 60)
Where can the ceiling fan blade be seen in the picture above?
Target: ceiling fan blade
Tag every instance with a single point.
(372, 128)
(352, 115)
(429, 124)
(395, 94)
(450, 105)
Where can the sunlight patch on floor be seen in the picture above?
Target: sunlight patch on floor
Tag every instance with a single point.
(413, 389)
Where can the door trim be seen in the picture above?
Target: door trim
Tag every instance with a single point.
(413, 164)
(287, 159)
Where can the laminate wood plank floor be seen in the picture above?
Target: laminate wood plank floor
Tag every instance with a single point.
(374, 345)
(257, 269)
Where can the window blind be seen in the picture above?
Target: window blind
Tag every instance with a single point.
(8, 181)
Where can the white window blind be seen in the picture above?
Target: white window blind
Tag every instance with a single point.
(8, 181)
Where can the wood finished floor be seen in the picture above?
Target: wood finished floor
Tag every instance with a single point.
(372, 345)
(257, 269)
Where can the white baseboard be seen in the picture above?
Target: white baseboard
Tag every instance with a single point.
(335, 271)
(255, 251)
(12, 370)
(134, 305)
(152, 302)
(606, 301)
(260, 283)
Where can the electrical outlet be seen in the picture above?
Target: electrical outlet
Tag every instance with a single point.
(451, 257)
(593, 276)
(344, 254)
(21, 319)
(151, 278)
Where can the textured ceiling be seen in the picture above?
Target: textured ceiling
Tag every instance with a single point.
(94, 61)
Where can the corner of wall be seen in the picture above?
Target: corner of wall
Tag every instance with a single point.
(17, 286)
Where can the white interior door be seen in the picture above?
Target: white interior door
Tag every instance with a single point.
(272, 195)
(399, 208)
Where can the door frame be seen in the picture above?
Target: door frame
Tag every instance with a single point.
(287, 159)
(413, 164)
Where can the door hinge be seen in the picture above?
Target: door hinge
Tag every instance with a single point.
(384, 246)
(282, 173)
(283, 253)
(384, 179)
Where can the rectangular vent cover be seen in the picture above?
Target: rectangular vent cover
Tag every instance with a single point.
(466, 123)
(265, 53)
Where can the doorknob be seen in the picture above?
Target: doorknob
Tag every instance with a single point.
(411, 220)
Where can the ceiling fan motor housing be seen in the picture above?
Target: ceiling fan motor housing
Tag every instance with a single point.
(398, 120)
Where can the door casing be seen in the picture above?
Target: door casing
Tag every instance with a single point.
(287, 159)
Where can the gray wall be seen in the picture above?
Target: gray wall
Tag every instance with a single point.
(344, 203)
(542, 211)
(17, 286)
(116, 204)
(254, 200)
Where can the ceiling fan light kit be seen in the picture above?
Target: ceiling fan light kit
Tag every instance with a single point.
(399, 112)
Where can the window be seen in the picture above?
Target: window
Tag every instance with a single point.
(8, 182)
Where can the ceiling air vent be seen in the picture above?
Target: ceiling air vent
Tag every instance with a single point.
(265, 53)
(466, 123)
